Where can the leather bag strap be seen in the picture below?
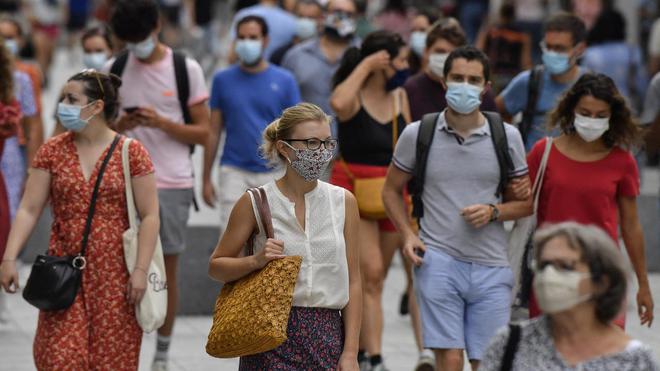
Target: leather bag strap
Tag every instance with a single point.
(95, 193)
(263, 211)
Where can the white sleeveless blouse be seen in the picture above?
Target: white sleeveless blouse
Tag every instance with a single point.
(323, 278)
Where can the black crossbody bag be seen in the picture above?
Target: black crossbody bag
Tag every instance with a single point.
(54, 280)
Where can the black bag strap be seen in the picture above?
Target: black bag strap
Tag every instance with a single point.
(119, 64)
(533, 88)
(501, 144)
(182, 84)
(511, 347)
(95, 193)
(422, 147)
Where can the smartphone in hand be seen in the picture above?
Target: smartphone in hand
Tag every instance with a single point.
(131, 109)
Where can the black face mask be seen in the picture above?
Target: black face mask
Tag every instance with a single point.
(339, 26)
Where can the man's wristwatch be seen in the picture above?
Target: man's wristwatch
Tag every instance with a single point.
(494, 214)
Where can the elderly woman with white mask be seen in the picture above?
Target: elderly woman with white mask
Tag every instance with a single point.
(580, 285)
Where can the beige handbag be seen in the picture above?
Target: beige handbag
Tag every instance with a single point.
(251, 314)
(152, 308)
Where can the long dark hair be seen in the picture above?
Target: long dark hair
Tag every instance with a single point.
(623, 131)
(374, 42)
(6, 75)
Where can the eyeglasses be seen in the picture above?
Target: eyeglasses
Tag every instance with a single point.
(315, 143)
(95, 73)
(559, 264)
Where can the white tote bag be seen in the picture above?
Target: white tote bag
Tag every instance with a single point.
(151, 310)
(524, 228)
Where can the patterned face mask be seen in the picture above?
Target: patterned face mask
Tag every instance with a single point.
(310, 163)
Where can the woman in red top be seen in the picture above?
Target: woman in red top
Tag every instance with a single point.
(591, 177)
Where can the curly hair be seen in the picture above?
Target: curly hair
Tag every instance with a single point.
(623, 131)
(6, 75)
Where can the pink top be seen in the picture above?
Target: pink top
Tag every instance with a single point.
(154, 85)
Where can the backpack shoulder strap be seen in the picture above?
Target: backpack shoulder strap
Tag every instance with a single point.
(534, 87)
(501, 144)
(183, 89)
(511, 347)
(182, 84)
(119, 64)
(424, 138)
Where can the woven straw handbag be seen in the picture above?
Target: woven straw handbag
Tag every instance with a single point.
(251, 314)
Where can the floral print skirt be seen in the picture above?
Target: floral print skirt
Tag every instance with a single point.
(315, 340)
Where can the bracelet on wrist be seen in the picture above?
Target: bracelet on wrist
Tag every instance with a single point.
(140, 269)
(8, 260)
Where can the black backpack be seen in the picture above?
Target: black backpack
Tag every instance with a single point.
(180, 74)
(533, 89)
(427, 129)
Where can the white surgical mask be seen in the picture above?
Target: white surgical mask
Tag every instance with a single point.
(306, 28)
(589, 128)
(95, 60)
(557, 291)
(418, 42)
(437, 63)
(143, 49)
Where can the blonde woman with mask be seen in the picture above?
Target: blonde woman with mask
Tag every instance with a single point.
(315, 220)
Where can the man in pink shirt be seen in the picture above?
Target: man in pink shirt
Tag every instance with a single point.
(168, 126)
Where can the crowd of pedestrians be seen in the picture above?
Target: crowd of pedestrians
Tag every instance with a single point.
(370, 130)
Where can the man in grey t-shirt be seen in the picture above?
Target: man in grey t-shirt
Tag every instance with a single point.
(462, 280)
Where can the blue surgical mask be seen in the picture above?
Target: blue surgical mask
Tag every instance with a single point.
(95, 60)
(397, 81)
(12, 46)
(556, 63)
(143, 49)
(69, 116)
(418, 42)
(305, 28)
(248, 51)
(462, 97)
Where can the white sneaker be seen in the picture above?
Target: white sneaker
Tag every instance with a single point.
(425, 363)
(159, 365)
(365, 365)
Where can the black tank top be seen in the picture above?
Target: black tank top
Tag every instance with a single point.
(363, 140)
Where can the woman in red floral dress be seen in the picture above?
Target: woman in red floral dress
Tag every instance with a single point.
(99, 330)
(10, 117)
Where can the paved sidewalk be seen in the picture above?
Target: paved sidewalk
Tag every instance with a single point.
(188, 353)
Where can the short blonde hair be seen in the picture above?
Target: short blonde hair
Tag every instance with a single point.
(283, 127)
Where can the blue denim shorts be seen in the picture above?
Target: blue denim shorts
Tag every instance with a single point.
(462, 304)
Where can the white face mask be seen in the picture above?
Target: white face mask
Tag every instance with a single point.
(557, 291)
(437, 63)
(95, 60)
(589, 128)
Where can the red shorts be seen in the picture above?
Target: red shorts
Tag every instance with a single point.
(341, 179)
(51, 30)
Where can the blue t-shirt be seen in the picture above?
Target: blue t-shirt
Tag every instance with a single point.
(249, 102)
(515, 101)
(281, 25)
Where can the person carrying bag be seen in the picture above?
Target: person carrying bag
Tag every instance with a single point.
(292, 299)
(152, 308)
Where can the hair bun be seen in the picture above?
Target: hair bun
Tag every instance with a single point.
(115, 80)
